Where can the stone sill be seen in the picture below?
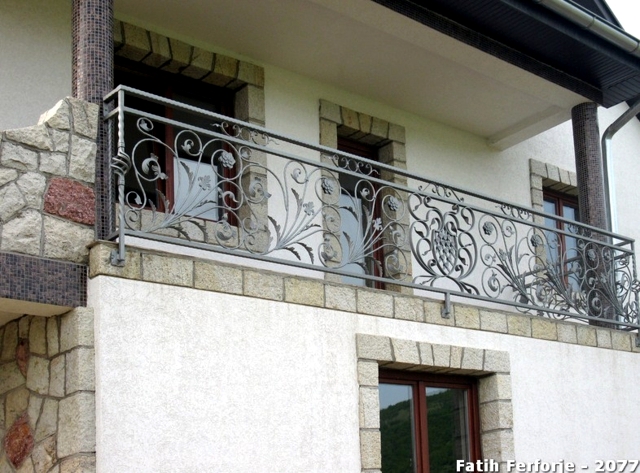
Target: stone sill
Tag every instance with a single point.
(165, 268)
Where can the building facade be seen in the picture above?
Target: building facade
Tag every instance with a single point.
(316, 235)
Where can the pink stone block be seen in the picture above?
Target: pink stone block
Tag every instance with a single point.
(18, 442)
(71, 200)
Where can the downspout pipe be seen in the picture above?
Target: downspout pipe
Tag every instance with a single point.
(609, 183)
(583, 17)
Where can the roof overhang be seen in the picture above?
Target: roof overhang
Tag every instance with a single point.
(451, 62)
(540, 36)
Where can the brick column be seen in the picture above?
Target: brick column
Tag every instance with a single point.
(92, 77)
(593, 201)
(586, 140)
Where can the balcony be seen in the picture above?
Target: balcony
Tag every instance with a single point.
(191, 177)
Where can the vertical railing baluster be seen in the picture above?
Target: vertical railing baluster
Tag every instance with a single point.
(121, 163)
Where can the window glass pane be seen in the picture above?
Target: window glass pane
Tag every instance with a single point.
(569, 212)
(448, 429)
(552, 240)
(573, 267)
(397, 421)
(550, 208)
(196, 189)
(196, 169)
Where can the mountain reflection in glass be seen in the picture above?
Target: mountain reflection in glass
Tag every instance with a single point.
(447, 427)
(397, 428)
(445, 411)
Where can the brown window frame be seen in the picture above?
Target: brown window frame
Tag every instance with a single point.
(560, 200)
(420, 381)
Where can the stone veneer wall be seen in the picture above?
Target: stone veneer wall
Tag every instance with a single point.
(47, 201)
(47, 398)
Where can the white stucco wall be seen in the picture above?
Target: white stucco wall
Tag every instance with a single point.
(452, 156)
(188, 380)
(35, 58)
(211, 384)
(434, 150)
(459, 158)
(625, 159)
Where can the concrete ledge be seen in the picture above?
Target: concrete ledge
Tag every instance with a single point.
(178, 270)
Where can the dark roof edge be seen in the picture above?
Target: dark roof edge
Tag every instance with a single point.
(594, 23)
(490, 46)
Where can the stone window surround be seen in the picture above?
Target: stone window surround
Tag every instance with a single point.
(388, 138)
(175, 56)
(491, 367)
(245, 79)
(545, 175)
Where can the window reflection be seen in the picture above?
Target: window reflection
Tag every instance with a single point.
(447, 424)
(397, 427)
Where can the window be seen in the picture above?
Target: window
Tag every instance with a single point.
(562, 249)
(565, 206)
(190, 161)
(358, 210)
(427, 421)
(378, 140)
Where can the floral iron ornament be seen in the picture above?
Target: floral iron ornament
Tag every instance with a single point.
(242, 190)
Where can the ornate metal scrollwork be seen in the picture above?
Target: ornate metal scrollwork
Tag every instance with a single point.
(241, 189)
(443, 243)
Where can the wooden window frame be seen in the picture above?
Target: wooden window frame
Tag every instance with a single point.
(420, 381)
(560, 200)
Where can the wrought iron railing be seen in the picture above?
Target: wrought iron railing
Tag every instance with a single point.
(216, 183)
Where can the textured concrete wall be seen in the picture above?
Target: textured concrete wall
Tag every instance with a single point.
(214, 358)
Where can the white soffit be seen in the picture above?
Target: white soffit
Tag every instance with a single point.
(12, 309)
(367, 49)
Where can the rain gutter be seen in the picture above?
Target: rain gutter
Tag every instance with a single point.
(599, 26)
(609, 184)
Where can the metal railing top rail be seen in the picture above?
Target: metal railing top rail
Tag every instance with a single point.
(332, 151)
(375, 230)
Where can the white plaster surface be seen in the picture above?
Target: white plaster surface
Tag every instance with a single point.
(196, 381)
(35, 54)
(625, 159)
(190, 380)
